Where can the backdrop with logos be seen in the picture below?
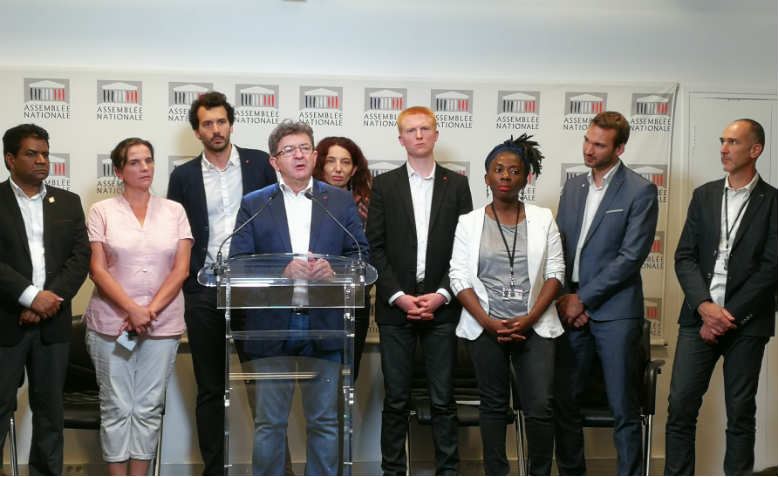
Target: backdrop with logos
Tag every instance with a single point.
(88, 112)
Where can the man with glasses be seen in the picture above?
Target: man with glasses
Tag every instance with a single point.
(413, 215)
(296, 220)
(210, 188)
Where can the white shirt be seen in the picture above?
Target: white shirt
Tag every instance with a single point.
(421, 197)
(735, 200)
(223, 193)
(32, 215)
(593, 200)
(298, 217)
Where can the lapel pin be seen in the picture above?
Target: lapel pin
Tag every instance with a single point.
(445, 178)
(51, 200)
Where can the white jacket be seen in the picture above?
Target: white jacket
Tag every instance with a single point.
(545, 260)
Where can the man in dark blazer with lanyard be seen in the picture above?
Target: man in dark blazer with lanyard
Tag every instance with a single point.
(726, 263)
(607, 219)
(44, 259)
(413, 215)
(210, 187)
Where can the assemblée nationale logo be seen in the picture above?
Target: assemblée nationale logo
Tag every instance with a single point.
(518, 110)
(379, 167)
(181, 96)
(107, 181)
(119, 100)
(46, 98)
(453, 108)
(656, 257)
(59, 170)
(653, 310)
(655, 174)
(321, 105)
(572, 169)
(382, 106)
(256, 104)
(581, 108)
(651, 112)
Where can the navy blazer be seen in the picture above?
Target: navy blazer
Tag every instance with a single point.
(269, 233)
(66, 250)
(753, 259)
(617, 244)
(186, 186)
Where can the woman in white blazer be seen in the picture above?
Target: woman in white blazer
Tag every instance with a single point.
(506, 268)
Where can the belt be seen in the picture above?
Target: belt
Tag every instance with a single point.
(573, 286)
(419, 288)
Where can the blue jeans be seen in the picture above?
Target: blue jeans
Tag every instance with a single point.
(320, 407)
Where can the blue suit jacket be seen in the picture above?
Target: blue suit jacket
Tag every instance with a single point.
(269, 233)
(186, 186)
(618, 242)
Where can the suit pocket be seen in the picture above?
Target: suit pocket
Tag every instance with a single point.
(614, 211)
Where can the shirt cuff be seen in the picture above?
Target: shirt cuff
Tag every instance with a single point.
(395, 296)
(28, 296)
(445, 294)
(560, 276)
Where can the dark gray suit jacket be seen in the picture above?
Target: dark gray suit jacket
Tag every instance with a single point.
(753, 260)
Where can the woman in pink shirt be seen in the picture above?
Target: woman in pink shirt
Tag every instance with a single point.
(135, 319)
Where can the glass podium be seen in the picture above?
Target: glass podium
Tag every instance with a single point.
(288, 363)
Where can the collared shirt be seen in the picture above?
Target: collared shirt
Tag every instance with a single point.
(298, 218)
(593, 199)
(32, 215)
(421, 197)
(140, 258)
(298, 215)
(223, 193)
(736, 198)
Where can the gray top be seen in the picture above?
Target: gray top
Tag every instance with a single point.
(495, 272)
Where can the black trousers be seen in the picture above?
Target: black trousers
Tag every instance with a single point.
(46, 366)
(205, 327)
(692, 370)
(533, 362)
(398, 344)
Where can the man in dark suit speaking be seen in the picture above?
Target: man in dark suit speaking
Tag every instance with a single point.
(726, 263)
(210, 187)
(293, 218)
(44, 259)
(413, 215)
(607, 219)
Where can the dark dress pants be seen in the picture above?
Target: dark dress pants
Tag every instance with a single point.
(533, 362)
(694, 363)
(206, 328)
(617, 344)
(46, 369)
(398, 344)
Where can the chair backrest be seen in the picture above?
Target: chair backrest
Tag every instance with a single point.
(80, 376)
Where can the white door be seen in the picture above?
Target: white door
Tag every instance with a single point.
(709, 114)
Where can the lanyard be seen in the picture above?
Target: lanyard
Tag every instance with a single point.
(511, 254)
(727, 228)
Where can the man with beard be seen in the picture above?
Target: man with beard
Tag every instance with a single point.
(210, 187)
(607, 219)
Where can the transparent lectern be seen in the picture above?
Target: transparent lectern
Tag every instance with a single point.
(289, 345)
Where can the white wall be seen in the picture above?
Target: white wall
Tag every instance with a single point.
(706, 45)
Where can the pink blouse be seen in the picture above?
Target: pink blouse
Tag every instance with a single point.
(139, 258)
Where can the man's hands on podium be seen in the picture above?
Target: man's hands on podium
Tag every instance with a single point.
(311, 269)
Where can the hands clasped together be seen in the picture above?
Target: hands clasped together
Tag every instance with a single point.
(45, 305)
(311, 269)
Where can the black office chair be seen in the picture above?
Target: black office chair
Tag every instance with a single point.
(82, 395)
(467, 399)
(594, 402)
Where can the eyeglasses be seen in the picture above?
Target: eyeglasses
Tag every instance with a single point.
(289, 150)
